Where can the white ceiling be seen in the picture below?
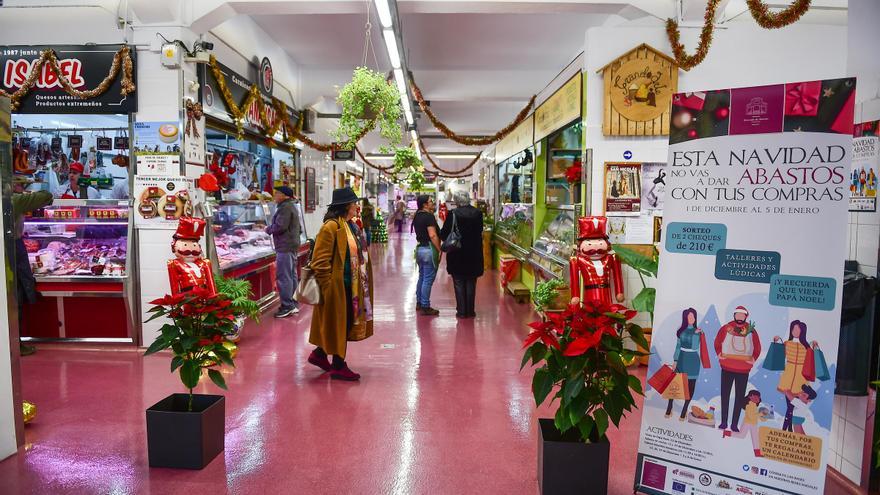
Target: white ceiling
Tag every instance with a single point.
(476, 62)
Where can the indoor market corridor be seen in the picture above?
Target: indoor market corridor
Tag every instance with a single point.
(441, 407)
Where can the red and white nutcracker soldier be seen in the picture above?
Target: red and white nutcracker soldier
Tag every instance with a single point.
(189, 269)
(595, 264)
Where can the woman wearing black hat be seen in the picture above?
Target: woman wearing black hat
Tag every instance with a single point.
(342, 268)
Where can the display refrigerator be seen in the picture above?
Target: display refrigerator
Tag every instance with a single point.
(239, 246)
(78, 251)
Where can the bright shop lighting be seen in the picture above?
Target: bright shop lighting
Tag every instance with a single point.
(409, 116)
(401, 83)
(384, 13)
(414, 134)
(391, 46)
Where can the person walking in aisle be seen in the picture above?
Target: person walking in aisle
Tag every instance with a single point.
(342, 268)
(466, 263)
(26, 284)
(399, 214)
(285, 230)
(368, 214)
(427, 252)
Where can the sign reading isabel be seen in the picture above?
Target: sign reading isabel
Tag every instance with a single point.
(84, 66)
(741, 377)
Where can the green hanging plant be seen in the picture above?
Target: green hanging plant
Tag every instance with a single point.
(408, 168)
(368, 101)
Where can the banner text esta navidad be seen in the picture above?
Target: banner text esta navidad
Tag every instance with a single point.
(809, 174)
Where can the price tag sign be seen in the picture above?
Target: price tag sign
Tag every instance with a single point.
(120, 142)
(104, 144)
(56, 144)
(74, 141)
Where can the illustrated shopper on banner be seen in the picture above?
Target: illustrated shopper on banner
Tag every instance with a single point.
(189, 270)
(595, 264)
(737, 346)
(800, 405)
(691, 352)
(750, 423)
(800, 366)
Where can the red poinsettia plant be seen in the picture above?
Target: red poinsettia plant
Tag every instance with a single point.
(200, 321)
(574, 172)
(582, 356)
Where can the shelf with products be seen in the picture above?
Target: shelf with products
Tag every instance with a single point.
(78, 251)
(555, 243)
(515, 224)
(564, 167)
(78, 240)
(515, 178)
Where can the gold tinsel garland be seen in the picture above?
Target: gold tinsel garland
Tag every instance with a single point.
(468, 141)
(768, 20)
(371, 164)
(449, 173)
(121, 59)
(685, 61)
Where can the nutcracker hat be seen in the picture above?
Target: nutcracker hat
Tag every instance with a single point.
(190, 228)
(592, 228)
(741, 309)
(77, 167)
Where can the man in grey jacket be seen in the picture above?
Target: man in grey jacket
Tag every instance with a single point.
(285, 230)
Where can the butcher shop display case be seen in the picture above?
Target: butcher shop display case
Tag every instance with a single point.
(555, 245)
(77, 250)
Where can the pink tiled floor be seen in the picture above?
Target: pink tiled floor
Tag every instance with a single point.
(441, 409)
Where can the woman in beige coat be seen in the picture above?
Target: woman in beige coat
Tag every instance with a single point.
(341, 265)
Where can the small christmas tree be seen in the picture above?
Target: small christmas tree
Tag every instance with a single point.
(380, 231)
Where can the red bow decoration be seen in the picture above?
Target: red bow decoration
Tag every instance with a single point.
(802, 98)
(208, 182)
(194, 113)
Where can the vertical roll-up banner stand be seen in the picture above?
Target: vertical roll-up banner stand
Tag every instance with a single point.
(741, 376)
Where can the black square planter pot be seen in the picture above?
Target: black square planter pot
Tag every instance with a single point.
(177, 438)
(567, 465)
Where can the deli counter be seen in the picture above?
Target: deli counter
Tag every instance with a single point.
(239, 246)
(78, 250)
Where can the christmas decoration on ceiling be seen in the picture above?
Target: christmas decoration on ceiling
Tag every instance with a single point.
(469, 141)
(121, 61)
(760, 12)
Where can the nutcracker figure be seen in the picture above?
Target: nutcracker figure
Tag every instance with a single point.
(189, 269)
(595, 264)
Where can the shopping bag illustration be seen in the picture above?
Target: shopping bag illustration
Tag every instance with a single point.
(775, 360)
(661, 378)
(677, 388)
(822, 373)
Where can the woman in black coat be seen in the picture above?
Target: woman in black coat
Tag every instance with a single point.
(465, 264)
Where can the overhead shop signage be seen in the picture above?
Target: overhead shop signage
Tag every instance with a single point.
(84, 66)
(747, 319)
(239, 86)
(519, 139)
(560, 109)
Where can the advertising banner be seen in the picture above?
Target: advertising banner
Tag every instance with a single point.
(866, 160)
(623, 188)
(747, 320)
(160, 201)
(84, 66)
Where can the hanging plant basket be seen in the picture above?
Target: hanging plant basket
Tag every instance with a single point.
(368, 102)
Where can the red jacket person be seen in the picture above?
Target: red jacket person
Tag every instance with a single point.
(738, 347)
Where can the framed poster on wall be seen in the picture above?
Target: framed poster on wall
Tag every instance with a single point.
(623, 188)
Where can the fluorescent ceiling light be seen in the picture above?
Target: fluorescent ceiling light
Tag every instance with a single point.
(384, 12)
(409, 116)
(380, 157)
(391, 46)
(454, 156)
(418, 152)
(407, 106)
(414, 134)
(401, 83)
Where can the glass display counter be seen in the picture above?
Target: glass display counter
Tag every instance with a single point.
(555, 245)
(78, 252)
(514, 227)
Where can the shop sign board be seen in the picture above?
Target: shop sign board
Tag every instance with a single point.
(560, 109)
(160, 201)
(519, 139)
(638, 90)
(866, 165)
(311, 190)
(747, 316)
(239, 86)
(84, 66)
(341, 155)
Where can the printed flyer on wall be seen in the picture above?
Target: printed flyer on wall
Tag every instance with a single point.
(160, 201)
(866, 160)
(743, 358)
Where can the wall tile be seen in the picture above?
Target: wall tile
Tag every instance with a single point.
(853, 444)
(857, 411)
(851, 471)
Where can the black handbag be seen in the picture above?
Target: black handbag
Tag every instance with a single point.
(453, 240)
